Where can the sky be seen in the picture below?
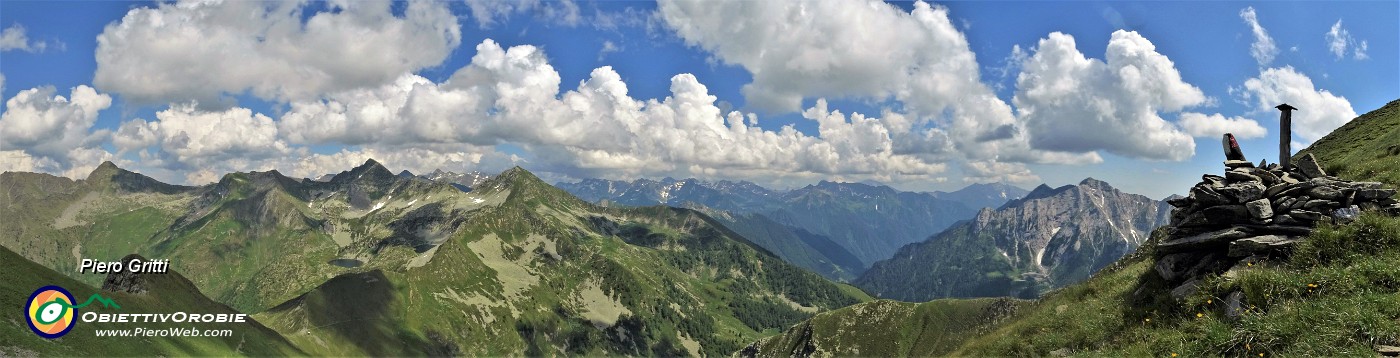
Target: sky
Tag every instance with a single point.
(921, 96)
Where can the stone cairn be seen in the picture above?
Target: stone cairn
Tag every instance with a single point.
(1253, 213)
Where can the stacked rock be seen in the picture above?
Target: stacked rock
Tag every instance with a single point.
(1254, 212)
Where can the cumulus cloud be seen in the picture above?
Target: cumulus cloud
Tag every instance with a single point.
(41, 131)
(1319, 111)
(193, 138)
(193, 50)
(860, 49)
(513, 96)
(1263, 48)
(1060, 94)
(1339, 39)
(48, 125)
(14, 38)
(1216, 125)
(868, 50)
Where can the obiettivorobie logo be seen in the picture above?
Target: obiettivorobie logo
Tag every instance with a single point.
(52, 313)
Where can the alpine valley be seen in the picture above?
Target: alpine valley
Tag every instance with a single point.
(835, 229)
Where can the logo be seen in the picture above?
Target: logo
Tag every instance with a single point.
(51, 310)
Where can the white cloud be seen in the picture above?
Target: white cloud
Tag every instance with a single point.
(48, 125)
(859, 49)
(1075, 104)
(513, 96)
(41, 131)
(203, 50)
(1216, 125)
(191, 138)
(14, 38)
(1263, 48)
(488, 12)
(1339, 39)
(1319, 111)
(867, 50)
(607, 48)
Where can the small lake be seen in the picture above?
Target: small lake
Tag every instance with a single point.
(346, 263)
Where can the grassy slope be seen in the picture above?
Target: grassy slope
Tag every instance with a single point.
(797, 246)
(1338, 295)
(910, 329)
(533, 276)
(1366, 148)
(168, 293)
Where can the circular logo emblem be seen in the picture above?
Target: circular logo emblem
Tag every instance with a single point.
(51, 312)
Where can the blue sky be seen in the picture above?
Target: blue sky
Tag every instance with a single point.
(188, 110)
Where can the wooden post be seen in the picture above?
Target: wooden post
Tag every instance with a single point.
(1285, 135)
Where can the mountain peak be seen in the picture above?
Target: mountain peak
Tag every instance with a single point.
(370, 168)
(108, 175)
(526, 188)
(1040, 190)
(517, 170)
(105, 170)
(1095, 183)
(517, 177)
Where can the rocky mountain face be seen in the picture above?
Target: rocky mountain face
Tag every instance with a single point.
(513, 267)
(867, 221)
(1254, 213)
(468, 180)
(1050, 238)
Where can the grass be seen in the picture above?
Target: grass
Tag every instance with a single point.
(886, 328)
(1366, 148)
(1338, 294)
(167, 293)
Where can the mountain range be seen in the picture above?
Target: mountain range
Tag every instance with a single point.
(371, 263)
(1050, 238)
(835, 229)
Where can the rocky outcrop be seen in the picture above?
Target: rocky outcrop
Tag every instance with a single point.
(126, 281)
(1255, 213)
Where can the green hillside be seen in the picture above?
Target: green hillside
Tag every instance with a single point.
(1336, 294)
(166, 293)
(544, 273)
(372, 264)
(911, 329)
(1365, 149)
(796, 246)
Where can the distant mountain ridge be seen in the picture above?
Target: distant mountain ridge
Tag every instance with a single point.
(1050, 238)
(867, 221)
(464, 181)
